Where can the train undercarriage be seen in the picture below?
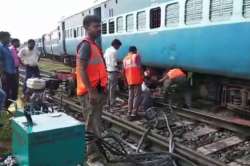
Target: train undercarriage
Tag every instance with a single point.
(207, 92)
(230, 93)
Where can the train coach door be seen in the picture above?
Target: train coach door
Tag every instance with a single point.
(63, 38)
(98, 13)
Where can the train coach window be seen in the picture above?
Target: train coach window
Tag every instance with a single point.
(71, 33)
(111, 12)
(119, 24)
(66, 33)
(104, 28)
(82, 31)
(111, 26)
(172, 15)
(155, 18)
(74, 33)
(221, 10)
(246, 8)
(141, 21)
(130, 23)
(78, 32)
(193, 11)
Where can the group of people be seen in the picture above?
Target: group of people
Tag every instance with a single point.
(11, 59)
(97, 77)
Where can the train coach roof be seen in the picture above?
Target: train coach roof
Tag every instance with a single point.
(96, 3)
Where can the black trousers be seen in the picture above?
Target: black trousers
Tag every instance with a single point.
(10, 86)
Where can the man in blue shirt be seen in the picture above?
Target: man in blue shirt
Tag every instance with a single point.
(2, 99)
(9, 70)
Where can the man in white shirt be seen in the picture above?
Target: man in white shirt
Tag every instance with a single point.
(29, 57)
(112, 68)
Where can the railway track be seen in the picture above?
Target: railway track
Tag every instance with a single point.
(201, 138)
(203, 144)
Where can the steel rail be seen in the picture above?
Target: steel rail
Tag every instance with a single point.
(181, 150)
(196, 157)
(202, 117)
(162, 141)
(215, 121)
(199, 115)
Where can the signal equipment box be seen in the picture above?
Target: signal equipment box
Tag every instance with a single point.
(54, 140)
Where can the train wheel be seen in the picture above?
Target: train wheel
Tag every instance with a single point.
(71, 88)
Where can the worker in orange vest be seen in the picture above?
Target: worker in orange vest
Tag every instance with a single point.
(92, 80)
(134, 77)
(178, 77)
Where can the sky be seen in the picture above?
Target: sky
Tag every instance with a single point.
(26, 19)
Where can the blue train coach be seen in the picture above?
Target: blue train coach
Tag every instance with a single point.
(209, 38)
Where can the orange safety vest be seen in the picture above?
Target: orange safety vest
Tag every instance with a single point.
(133, 72)
(175, 73)
(96, 69)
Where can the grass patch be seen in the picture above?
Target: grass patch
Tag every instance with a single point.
(49, 65)
(5, 133)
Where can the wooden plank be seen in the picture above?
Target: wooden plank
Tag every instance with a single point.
(245, 160)
(199, 132)
(217, 146)
(183, 123)
(234, 164)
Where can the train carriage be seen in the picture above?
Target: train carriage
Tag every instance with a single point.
(47, 44)
(209, 38)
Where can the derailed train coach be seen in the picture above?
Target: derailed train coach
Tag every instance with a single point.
(208, 38)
